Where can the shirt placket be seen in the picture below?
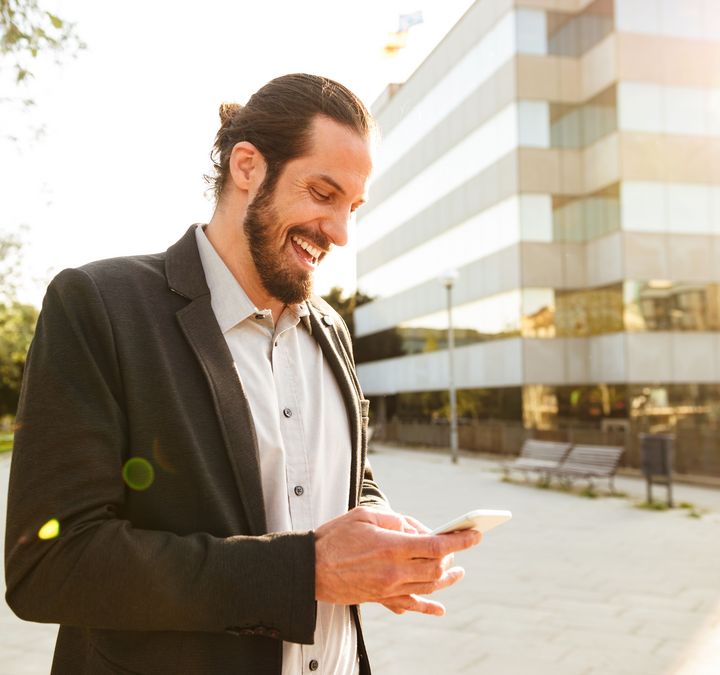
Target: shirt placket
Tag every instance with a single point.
(285, 359)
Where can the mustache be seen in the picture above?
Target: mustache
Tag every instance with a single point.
(316, 238)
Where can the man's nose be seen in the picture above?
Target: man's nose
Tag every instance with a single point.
(336, 228)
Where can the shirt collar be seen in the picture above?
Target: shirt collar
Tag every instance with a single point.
(230, 303)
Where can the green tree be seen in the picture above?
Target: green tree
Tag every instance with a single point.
(345, 305)
(10, 245)
(381, 345)
(26, 33)
(26, 30)
(17, 326)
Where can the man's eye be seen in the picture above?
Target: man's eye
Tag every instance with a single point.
(319, 195)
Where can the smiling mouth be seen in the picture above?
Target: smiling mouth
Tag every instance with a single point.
(306, 251)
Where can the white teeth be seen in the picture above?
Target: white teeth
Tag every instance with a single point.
(314, 252)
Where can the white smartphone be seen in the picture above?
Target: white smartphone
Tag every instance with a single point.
(480, 519)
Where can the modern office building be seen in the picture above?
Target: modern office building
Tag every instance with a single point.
(564, 157)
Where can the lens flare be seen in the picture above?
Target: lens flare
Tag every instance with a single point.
(49, 530)
(138, 473)
(161, 458)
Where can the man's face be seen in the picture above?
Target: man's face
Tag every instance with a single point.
(293, 226)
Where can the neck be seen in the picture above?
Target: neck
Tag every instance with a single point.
(225, 232)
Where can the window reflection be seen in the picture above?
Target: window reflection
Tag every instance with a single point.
(573, 34)
(492, 318)
(538, 313)
(592, 311)
(591, 406)
(502, 403)
(584, 218)
(578, 126)
(547, 407)
(663, 306)
(546, 313)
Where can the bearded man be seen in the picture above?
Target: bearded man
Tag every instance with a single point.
(189, 486)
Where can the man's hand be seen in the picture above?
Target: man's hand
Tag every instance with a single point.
(368, 555)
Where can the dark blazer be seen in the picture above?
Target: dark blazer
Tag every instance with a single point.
(181, 577)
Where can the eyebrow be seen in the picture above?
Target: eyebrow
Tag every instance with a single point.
(331, 181)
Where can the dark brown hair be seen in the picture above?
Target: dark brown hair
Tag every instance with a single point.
(277, 120)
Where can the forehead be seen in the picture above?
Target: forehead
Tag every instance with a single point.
(340, 152)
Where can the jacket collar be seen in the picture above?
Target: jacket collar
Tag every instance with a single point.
(186, 277)
(184, 269)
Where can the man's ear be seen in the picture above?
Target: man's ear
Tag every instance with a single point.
(247, 167)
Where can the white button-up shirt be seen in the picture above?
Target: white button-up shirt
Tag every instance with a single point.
(303, 436)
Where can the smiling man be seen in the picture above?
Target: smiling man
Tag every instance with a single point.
(189, 487)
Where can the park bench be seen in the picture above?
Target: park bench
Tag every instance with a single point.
(589, 462)
(538, 456)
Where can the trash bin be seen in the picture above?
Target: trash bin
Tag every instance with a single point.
(656, 452)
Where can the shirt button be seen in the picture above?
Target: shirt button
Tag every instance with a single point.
(299, 490)
(313, 665)
(287, 412)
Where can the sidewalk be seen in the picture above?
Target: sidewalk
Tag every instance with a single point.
(25, 648)
(571, 586)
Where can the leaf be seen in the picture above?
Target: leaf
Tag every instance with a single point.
(56, 21)
(21, 75)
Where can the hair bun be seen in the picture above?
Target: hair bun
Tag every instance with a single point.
(228, 111)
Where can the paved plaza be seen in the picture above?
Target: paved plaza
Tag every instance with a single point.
(571, 586)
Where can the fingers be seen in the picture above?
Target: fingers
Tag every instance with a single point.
(425, 570)
(414, 603)
(373, 555)
(426, 587)
(441, 545)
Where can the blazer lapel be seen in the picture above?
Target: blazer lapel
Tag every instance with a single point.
(197, 321)
(325, 332)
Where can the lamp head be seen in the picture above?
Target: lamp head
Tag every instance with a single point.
(448, 277)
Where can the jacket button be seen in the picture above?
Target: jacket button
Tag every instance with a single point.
(313, 665)
(287, 412)
(327, 320)
(299, 490)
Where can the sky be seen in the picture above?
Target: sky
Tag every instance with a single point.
(129, 122)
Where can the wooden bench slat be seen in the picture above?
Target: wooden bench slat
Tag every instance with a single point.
(538, 456)
(590, 461)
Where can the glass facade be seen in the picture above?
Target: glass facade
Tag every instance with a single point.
(575, 34)
(567, 165)
(631, 306)
(504, 403)
(651, 406)
(581, 125)
(586, 217)
(662, 305)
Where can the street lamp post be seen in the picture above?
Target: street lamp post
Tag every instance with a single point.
(448, 278)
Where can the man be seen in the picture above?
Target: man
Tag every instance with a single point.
(189, 489)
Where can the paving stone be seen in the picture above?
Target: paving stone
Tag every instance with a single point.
(570, 586)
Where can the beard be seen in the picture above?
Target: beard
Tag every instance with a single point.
(277, 275)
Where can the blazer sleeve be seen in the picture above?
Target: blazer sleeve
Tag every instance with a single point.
(99, 571)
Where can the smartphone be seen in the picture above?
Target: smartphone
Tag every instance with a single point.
(480, 519)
